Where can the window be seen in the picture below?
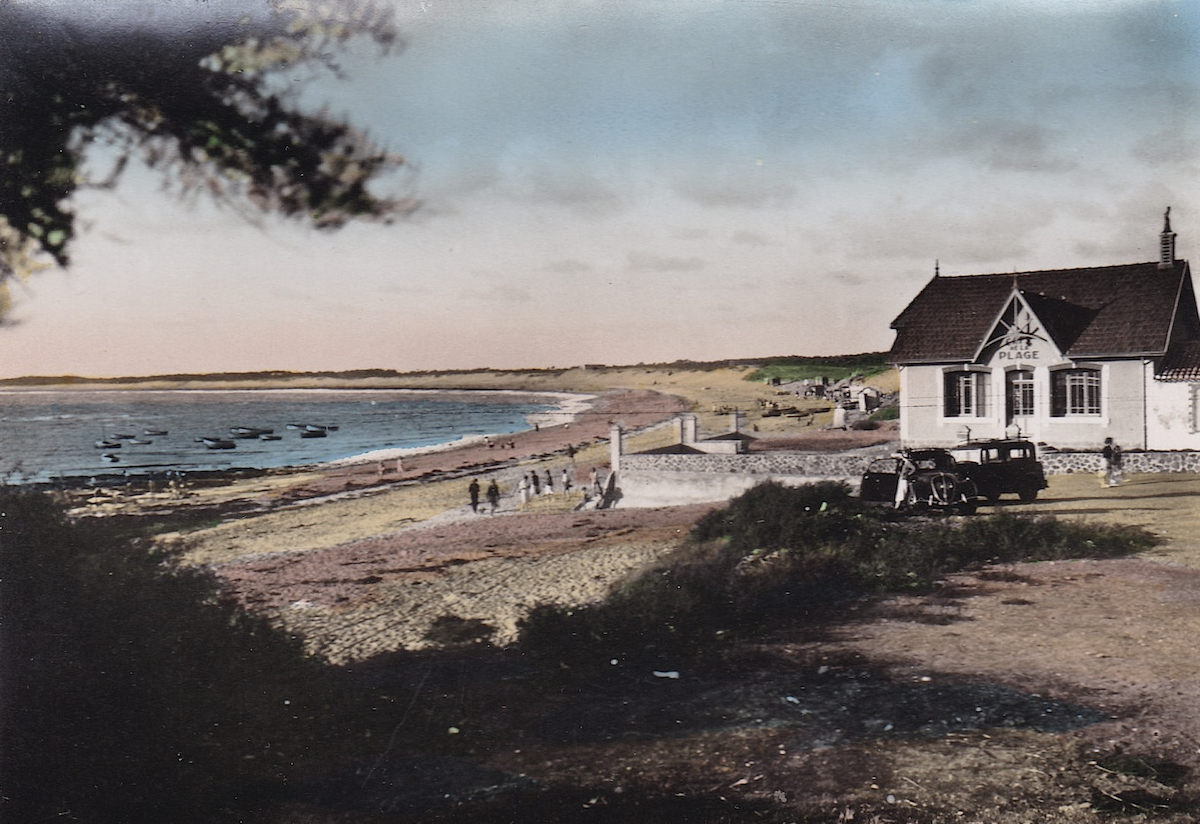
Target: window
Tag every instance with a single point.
(1020, 394)
(1075, 392)
(966, 394)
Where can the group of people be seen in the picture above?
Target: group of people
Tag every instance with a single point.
(531, 485)
(493, 495)
(534, 484)
(1114, 464)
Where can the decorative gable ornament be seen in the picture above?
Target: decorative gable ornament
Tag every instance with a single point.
(1018, 338)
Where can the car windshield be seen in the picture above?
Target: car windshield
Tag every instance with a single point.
(883, 466)
(932, 460)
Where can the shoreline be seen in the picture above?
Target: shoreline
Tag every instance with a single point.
(570, 409)
(262, 491)
(564, 408)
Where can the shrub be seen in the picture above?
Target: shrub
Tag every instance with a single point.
(779, 550)
(453, 630)
(133, 689)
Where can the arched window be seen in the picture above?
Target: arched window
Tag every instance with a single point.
(1074, 392)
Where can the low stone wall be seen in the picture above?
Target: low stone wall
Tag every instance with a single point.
(1066, 463)
(668, 480)
(807, 464)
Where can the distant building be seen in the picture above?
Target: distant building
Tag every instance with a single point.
(1064, 357)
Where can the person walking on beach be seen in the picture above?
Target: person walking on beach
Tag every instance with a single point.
(1114, 464)
(536, 483)
(493, 496)
(473, 491)
(523, 490)
(549, 483)
(566, 480)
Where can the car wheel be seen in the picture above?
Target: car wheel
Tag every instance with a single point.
(1028, 494)
(965, 508)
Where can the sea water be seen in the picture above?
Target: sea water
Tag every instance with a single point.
(51, 435)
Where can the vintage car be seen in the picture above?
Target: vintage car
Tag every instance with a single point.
(933, 477)
(1002, 466)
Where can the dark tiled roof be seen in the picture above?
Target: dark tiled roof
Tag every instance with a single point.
(732, 436)
(1103, 311)
(673, 449)
(1182, 362)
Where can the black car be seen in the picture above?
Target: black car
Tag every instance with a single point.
(933, 477)
(1002, 466)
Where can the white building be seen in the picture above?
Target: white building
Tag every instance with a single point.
(1066, 357)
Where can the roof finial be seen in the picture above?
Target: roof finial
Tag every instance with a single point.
(1166, 243)
(937, 268)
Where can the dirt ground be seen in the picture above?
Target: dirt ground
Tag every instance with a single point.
(1061, 692)
(1042, 692)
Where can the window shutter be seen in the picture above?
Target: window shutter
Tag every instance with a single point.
(1058, 393)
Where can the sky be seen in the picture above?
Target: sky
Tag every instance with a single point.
(622, 183)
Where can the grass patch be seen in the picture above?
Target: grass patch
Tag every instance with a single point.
(811, 368)
(777, 552)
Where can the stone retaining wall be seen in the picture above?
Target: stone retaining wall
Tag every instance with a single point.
(665, 480)
(1066, 463)
(754, 463)
(817, 465)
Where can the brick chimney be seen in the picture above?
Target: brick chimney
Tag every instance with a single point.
(1166, 243)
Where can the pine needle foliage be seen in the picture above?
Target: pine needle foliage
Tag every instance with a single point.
(133, 690)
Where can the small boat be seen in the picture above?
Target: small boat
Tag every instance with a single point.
(139, 442)
(123, 437)
(269, 437)
(249, 431)
(218, 443)
(150, 433)
(107, 444)
(110, 457)
(312, 433)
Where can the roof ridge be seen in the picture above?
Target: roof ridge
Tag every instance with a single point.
(1149, 263)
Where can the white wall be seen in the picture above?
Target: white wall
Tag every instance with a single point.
(1124, 387)
(1172, 418)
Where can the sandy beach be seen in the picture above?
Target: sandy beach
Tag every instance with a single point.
(364, 563)
(386, 537)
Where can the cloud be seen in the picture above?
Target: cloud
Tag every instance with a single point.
(1168, 147)
(751, 191)
(1008, 146)
(568, 267)
(497, 290)
(750, 238)
(648, 262)
(584, 194)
